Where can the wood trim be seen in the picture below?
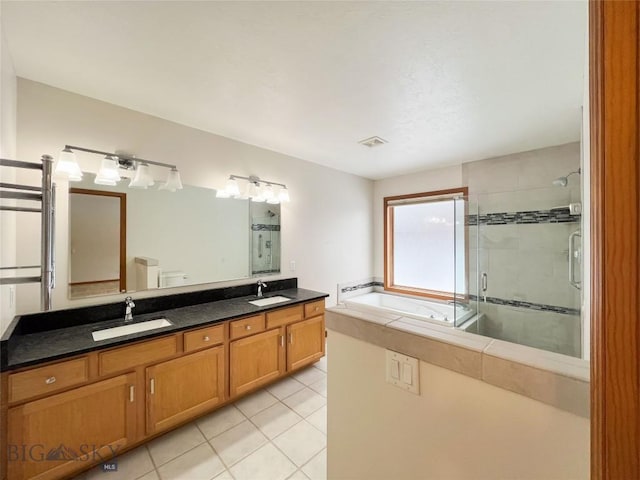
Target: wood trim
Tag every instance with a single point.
(123, 232)
(389, 281)
(615, 222)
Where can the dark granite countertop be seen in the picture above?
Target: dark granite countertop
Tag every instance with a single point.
(23, 349)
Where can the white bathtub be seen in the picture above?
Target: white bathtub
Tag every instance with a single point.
(429, 311)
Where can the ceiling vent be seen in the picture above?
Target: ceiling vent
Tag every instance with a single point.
(372, 142)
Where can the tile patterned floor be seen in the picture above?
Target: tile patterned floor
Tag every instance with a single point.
(276, 433)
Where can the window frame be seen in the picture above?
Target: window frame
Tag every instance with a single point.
(389, 284)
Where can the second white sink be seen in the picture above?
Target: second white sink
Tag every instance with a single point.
(129, 329)
(263, 302)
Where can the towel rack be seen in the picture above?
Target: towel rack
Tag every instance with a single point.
(45, 195)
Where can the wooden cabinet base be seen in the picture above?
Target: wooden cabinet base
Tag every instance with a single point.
(182, 388)
(61, 434)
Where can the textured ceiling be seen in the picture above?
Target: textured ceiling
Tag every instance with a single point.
(443, 82)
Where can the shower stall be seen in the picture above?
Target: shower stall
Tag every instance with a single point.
(265, 238)
(523, 258)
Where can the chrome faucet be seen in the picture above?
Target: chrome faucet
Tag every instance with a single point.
(260, 285)
(457, 303)
(128, 315)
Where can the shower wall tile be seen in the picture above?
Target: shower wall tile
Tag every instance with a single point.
(552, 237)
(539, 167)
(499, 237)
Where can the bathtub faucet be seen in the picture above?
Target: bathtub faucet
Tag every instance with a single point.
(457, 303)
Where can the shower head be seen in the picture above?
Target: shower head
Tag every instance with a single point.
(563, 181)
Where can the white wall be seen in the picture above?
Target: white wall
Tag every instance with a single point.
(425, 181)
(326, 228)
(457, 428)
(7, 150)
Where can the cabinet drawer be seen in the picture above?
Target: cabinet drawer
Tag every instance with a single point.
(127, 358)
(48, 379)
(203, 337)
(284, 316)
(314, 308)
(246, 326)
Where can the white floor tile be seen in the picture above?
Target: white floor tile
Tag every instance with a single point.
(238, 442)
(285, 387)
(224, 476)
(321, 364)
(256, 402)
(309, 375)
(316, 468)
(320, 387)
(152, 475)
(201, 463)
(173, 444)
(275, 419)
(298, 476)
(132, 464)
(305, 402)
(301, 442)
(220, 421)
(319, 419)
(267, 463)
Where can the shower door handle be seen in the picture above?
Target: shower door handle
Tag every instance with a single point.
(572, 260)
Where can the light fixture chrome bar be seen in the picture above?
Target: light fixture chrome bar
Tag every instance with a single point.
(20, 187)
(253, 179)
(120, 156)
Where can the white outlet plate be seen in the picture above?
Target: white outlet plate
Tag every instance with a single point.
(403, 371)
(292, 265)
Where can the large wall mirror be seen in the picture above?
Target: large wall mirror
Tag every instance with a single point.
(123, 239)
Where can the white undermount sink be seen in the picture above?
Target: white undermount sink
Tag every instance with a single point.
(129, 329)
(263, 302)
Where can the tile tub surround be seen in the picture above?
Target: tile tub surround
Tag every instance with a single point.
(358, 287)
(557, 380)
(278, 432)
(27, 343)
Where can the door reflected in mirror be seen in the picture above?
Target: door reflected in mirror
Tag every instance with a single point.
(97, 246)
(164, 239)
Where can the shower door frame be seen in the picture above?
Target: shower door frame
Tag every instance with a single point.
(614, 49)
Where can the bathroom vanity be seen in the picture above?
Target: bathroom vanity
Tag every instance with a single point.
(70, 402)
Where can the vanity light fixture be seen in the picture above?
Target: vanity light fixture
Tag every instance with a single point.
(109, 173)
(257, 190)
(67, 166)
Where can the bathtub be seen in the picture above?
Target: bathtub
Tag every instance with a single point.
(427, 310)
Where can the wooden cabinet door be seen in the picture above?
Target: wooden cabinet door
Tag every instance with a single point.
(60, 434)
(184, 387)
(305, 342)
(256, 360)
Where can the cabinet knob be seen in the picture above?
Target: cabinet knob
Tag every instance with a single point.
(206, 338)
(50, 380)
(248, 327)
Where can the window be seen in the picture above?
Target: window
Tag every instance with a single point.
(425, 244)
